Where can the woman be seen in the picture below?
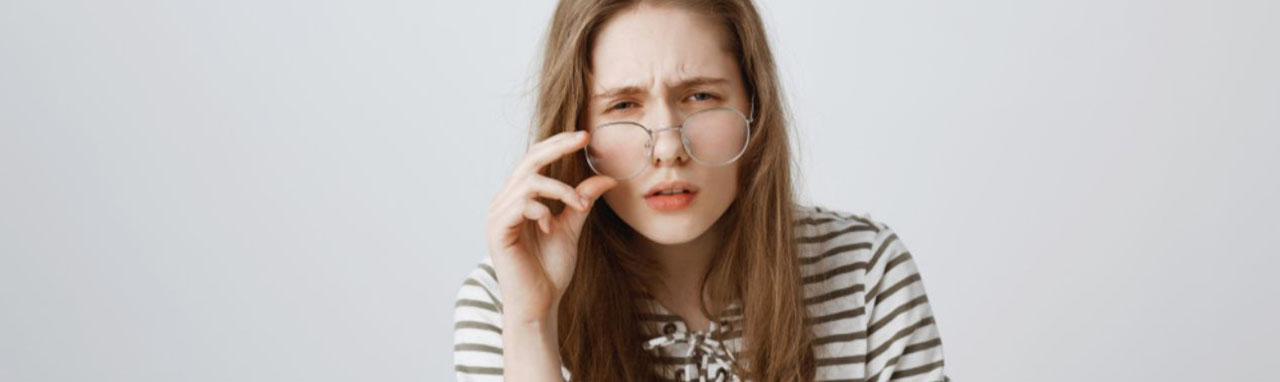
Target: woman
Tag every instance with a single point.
(697, 266)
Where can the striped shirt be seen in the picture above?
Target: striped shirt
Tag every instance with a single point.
(867, 309)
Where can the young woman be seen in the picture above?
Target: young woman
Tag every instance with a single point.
(698, 265)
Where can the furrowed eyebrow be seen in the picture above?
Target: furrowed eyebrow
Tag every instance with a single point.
(625, 90)
(701, 81)
(683, 84)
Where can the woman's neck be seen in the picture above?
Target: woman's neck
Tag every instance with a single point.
(681, 269)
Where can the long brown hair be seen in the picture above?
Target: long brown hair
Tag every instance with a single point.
(598, 315)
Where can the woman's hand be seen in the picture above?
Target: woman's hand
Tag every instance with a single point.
(534, 264)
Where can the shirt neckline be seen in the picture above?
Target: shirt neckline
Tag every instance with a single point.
(662, 318)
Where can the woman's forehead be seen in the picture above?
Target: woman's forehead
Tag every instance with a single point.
(651, 47)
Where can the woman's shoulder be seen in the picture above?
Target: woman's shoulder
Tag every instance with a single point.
(818, 224)
(477, 326)
(832, 242)
(479, 290)
(861, 284)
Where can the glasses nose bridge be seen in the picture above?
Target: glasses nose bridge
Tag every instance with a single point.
(657, 132)
(656, 151)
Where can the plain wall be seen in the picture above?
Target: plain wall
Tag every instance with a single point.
(294, 190)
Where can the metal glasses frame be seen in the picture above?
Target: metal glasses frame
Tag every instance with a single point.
(684, 139)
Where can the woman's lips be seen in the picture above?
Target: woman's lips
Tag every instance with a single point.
(671, 184)
(673, 202)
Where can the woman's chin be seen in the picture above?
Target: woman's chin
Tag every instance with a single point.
(669, 230)
(668, 237)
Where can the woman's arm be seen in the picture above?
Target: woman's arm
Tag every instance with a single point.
(532, 351)
(477, 327)
(903, 342)
(491, 347)
(534, 251)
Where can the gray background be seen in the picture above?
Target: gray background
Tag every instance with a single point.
(293, 190)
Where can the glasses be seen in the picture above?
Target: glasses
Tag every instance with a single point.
(712, 137)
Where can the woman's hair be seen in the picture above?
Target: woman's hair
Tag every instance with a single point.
(599, 314)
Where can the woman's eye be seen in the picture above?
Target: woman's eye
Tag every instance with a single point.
(622, 105)
(701, 96)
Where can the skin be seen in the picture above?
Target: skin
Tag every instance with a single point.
(655, 65)
(652, 53)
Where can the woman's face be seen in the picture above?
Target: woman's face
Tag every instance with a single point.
(656, 65)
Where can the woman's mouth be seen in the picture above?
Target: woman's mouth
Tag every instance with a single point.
(671, 200)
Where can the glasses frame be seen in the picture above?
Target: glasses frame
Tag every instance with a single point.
(684, 139)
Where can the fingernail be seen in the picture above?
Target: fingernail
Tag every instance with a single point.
(584, 202)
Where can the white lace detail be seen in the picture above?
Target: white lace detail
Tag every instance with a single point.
(706, 348)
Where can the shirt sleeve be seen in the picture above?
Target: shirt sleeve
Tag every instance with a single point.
(903, 342)
(477, 327)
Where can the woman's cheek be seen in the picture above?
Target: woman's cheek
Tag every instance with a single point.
(617, 198)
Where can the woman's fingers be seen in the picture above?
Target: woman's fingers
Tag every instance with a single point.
(539, 156)
(528, 208)
(547, 151)
(519, 195)
(591, 188)
(540, 213)
(525, 206)
(546, 187)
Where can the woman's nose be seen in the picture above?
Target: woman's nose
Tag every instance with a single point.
(668, 145)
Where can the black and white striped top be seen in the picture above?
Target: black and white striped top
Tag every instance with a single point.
(866, 304)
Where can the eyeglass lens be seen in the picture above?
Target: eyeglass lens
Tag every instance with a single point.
(713, 137)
